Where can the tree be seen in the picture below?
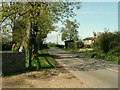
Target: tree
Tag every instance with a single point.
(69, 32)
(32, 21)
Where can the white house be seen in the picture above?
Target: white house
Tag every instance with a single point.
(88, 40)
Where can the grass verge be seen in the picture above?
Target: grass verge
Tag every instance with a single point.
(98, 55)
(42, 61)
(103, 56)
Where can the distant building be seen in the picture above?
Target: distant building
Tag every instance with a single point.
(88, 40)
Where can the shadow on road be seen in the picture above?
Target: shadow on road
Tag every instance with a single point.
(78, 62)
(66, 57)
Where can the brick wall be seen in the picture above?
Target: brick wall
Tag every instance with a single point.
(13, 62)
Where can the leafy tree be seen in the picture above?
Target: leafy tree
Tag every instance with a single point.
(32, 21)
(69, 32)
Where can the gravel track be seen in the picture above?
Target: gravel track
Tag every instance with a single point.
(77, 62)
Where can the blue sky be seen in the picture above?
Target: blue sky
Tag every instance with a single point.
(93, 16)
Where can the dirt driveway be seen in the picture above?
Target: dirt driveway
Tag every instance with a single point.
(54, 78)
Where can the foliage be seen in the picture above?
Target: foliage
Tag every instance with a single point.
(107, 41)
(50, 44)
(32, 21)
(102, 41)
(106, 46)
(5, 35)
(80, 44)
(60, 46)
(6, 46)
(71, 45)
(75, 45)
(103, 56)
(88, 46)
(42, 16)
(69, 32)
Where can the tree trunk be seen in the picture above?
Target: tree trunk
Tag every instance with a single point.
(30, 46)
(30, 56)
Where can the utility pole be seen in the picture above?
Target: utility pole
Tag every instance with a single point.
(58, 36)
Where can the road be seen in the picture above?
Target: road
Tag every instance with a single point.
(97, 73)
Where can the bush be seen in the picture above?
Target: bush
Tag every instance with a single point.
(60, 46)
(100, 55)
(6, 46)
(72, 45)
(102, 41)
(80, 44)
(93, 54)
(112, 58)
(106, 47)
(119, 60)
(104, 56)
(51, 44)
(90, 54)
(87, 46)
(115, 51)
(108, 42)
(44, 46)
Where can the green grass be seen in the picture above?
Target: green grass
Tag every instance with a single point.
(99, 55)
(104, 56)
(42, 58)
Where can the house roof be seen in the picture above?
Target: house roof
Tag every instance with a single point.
(88, 38)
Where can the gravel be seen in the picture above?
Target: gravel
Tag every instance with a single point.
(87, 64)
(77, 62)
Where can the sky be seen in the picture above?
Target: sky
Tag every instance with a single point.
(92, 16)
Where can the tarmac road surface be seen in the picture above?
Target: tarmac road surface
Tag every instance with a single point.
(97, 73)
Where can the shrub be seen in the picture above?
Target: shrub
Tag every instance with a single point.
(102, 41)
(80, 44)
(60, 46)
(90, 54)
(115, 51)
(6, 46)
(111, 58)
(72, 45)
(87, 46)
(100, 55)
(104, 56)
(107, 42)
(51, 44)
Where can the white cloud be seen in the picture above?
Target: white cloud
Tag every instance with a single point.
(54, 37)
